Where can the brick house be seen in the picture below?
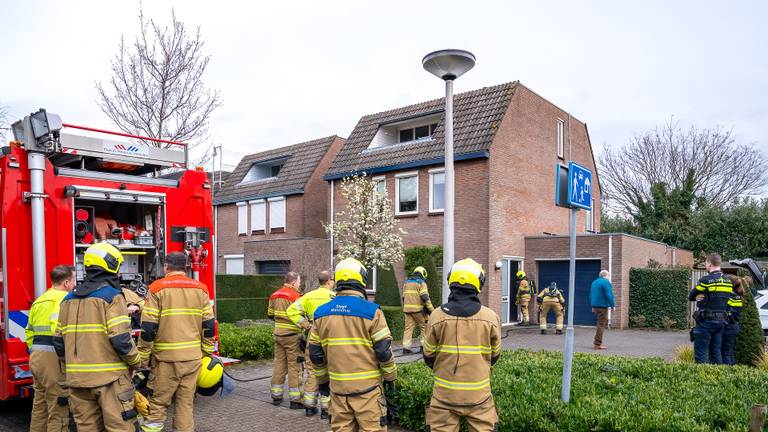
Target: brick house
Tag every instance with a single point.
(508, 142)
(270, 211)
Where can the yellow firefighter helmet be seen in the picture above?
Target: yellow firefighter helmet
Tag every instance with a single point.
(351, 272)
(520, 274)
(421, 271)
(104, 256)
(210, 377)
(467, 273)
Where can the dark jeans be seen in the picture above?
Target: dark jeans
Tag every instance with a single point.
(729, 341)
(708, 340)
(602, 323)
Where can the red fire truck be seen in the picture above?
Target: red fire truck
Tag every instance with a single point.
(64, 187)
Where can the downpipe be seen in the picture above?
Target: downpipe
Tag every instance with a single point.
(36, 162)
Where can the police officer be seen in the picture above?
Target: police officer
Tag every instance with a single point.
(94, 338)
(302, 313)
(523, 296)
(711, 294)
(177, 329)
(731, 330)
(551, 299)
(286, 336)
(49, 408)
(462, 342)
(416, 306)
(350, 347)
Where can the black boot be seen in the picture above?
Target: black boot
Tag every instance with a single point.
(558, 332)
(296, 405)
(543, 331)
(407, 351)
(310, 411)
(324, 414)
(276, 402)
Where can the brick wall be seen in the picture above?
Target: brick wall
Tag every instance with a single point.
(308, 256)
(316, 194)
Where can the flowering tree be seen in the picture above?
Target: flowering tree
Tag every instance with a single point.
(366, 229)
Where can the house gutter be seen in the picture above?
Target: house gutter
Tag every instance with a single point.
(415, 164)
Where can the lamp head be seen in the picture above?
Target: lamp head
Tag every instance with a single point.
(448, 64)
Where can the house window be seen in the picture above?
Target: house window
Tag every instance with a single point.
(590, 219)
(407, 193)
(233, 264)
(416, 133)
(242, 217)
(258, 216)
(380, 185)
(560, 138)
(272, 267)
(436, 190)
(264, 170)
(277, 214)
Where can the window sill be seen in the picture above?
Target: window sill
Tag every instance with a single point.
(242, 234)
(258, 232)
(276, 230)
(406, 215)
(436, 212)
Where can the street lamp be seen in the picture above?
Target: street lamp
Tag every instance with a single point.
(448, 65)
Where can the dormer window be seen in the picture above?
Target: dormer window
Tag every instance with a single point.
(410, 130)
(264, 170)
(417, 133)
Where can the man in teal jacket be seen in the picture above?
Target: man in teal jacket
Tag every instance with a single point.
(601, 298)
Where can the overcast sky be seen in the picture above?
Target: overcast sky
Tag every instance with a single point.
(294, 71)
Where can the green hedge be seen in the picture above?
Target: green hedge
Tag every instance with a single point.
(246, 343)
(230, 310)
(608, 394)
(244, 296)
(387, 288)
(659, 293)
(427, 257)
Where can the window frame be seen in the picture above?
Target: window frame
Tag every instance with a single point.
(398, 177)
(432, 174)
(278, 229)
(253, 204)
(380, 179)
(589, 219)
(242, 219)
(234, 257)
(560, 137)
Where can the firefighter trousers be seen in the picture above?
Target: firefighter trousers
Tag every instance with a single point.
(524, 315)
(364, 413)
(287, 362)
(557, 308)
(311, 387)
(107, 408)
(413, 320)
(172, 381)
(443, 417)
(50, 412)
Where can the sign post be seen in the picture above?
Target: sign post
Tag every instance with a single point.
(579, 192)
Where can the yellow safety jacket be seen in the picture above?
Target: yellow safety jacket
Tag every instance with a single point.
(302, 311)
(43, 318)
(416, 296)
(523, 291)
(549, 296)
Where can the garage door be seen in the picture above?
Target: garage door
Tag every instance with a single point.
(586, 272)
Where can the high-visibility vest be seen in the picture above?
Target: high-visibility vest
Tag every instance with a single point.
(43, 318)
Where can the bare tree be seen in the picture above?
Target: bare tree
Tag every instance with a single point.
(5, 127)
(723, 170)
(156, 88)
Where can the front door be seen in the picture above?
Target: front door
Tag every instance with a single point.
(509, 310)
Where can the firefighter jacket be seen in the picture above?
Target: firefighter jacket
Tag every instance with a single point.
(416, 296)
(277, 310)
(177, 323)
(462, 341)
(717, 289)
(523, 290)
(94, 333)
(350, 345)
(43, 318)
(302, 311)
(551, 295)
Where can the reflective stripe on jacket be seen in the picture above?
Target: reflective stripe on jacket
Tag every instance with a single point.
(302, 311)
(416, 296)
(548, 296)
(177, 322)
(523, 290)
(277, 310)
(43, 318)
(717, 289)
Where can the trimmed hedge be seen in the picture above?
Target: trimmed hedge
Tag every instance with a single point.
(750, 343)
(659, 293)
(608, 394)
(246, 343)
(396, 322)
(244, 296)
(427, 257)
(387, 288)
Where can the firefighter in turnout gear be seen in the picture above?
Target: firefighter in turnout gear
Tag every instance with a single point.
(50, 412)
(711, 294)
(462, 342)
(177, 329)
(416, 306)
(551, 299)
(288, 356)
(350, 347)
(523, 297)
(302, 313)
(94, 338)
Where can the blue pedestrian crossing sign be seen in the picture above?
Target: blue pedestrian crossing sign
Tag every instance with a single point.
(579, 186)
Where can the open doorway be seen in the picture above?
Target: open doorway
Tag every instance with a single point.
(510, 312)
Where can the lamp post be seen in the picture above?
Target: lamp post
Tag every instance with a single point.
(448, 65)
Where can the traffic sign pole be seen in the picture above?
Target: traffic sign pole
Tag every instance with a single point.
(568, 358)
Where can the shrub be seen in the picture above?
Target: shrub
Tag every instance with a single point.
(429, 258)
(395, 321)
(608, 394)
(750, 343)
(387, 288)
(244, 296)
(656, 293)
(246, 343)
(684, 354)
(638, 320)
(667, 323)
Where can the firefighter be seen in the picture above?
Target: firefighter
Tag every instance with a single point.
(286, 334)
(551, 299)
(350, 347)
(177, 329)
(711, 295)
(302, 313)
(462, 342)
(523, 296)
(94, 338)
(49, 408)
(416, 306)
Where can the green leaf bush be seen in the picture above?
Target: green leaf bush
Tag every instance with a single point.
(608, 394)
(428, 257)
(246, 343)
(244, 296)
(387, 288)
(656, 294)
